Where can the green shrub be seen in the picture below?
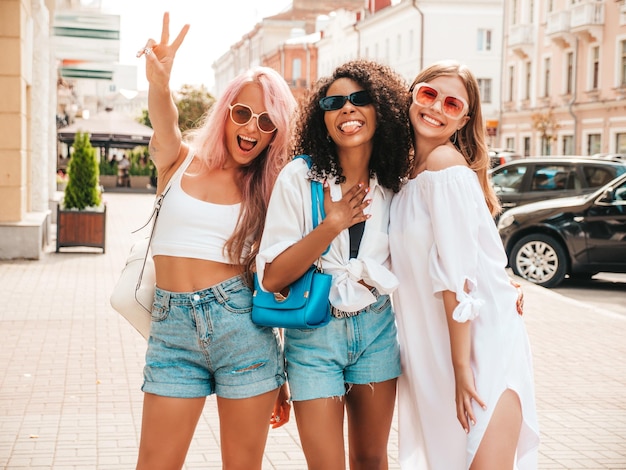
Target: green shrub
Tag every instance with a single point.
(108, 168)
(140, 163)
(83, 188)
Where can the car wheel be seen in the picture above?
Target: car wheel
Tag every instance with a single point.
(539, 259)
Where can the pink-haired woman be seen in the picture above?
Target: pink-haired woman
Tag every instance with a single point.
(202, 340)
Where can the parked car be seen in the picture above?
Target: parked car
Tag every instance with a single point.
(535, 179)
(501, 156)
(610, 156)
(576, 236)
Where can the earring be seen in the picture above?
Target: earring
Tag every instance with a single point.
(454, 137)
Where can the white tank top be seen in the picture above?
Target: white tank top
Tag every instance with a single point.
(190, 228)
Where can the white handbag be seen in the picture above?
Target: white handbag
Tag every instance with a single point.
(133, 294)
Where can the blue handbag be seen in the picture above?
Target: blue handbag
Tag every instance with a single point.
(306, 305)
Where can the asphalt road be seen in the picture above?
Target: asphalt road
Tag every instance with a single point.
(604, 290)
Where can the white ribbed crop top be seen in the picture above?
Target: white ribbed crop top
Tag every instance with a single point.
(191, 228)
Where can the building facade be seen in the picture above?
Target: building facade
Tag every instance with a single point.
(60, 60)
(564, 77)
(263, 44)
(28, 137)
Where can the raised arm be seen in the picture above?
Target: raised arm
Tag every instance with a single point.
(165, 145)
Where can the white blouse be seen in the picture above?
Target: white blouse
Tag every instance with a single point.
(289, 219)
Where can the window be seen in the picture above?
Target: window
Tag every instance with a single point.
(569, 73)
(554, 178)
(484, 40)
(546, 148)
(514, 12)
(399, 44)
(593, 143)
(567, 142)
(546, 77)
(526, 146)
(387, 51)
(484, 86)
(620, 143)
(510, 142)
(511, 82)
(623, 64)
(527, 85)
(509, 180)
(595, 67)
(296, 72)
(597, 176)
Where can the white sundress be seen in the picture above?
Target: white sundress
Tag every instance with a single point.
(442, 235)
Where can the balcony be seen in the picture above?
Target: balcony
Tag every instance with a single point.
(587, 20)
(558, 28)
(521, 39)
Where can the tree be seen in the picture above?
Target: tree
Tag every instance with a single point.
(547, 126)
(83, 188)
(192, 104)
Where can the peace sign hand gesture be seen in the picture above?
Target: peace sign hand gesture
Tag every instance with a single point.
(160, 57)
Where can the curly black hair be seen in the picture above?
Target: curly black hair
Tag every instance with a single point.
(392, 143)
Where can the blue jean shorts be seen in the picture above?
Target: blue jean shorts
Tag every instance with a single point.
(361, 349)
(204, 342)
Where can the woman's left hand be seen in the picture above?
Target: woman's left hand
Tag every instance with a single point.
(520, 297)
(282, 408)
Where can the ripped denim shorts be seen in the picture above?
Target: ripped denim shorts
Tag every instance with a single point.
(360, 349)
(204, 342)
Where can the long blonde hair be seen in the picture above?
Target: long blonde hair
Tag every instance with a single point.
(471, 139)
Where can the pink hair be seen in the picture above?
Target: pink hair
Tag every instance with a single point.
(259, 177)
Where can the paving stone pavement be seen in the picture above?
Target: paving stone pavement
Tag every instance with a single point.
(71, 369)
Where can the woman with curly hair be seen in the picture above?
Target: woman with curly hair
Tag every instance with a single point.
(354, 127)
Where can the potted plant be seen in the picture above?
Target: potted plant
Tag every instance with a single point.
(81, 216)
(142, 170)
(108, 172)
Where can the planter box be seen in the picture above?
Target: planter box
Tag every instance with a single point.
(139, 182)
(108, 181)
(81, 228)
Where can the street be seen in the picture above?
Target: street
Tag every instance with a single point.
(605, 290)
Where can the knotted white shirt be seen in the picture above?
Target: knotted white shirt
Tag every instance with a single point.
(289, 219)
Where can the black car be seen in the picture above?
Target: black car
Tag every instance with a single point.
(576, 236)
(535, 179)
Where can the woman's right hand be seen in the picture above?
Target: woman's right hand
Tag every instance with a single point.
(465, 394)
(160, 57)
(349, 209)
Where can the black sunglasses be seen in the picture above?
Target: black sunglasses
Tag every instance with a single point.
(335, 102)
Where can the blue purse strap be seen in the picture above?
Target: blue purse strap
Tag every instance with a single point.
(317, 198)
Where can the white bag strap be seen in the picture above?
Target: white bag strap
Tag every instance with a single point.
(156, 208)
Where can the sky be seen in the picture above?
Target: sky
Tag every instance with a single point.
(215, 26)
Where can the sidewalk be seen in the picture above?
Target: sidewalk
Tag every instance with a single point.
(71, 370)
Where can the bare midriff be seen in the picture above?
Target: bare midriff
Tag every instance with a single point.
(190, 274)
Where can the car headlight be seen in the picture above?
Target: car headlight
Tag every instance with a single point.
(505, 221)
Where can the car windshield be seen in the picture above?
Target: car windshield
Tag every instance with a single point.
(508, 180)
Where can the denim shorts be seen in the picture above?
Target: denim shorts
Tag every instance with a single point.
(361, 349)
(204, 342)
